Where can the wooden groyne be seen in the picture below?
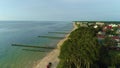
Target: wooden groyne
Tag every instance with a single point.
(65, 30)
(51, 37)
(22, 45)
(33, 50)
(59, 32)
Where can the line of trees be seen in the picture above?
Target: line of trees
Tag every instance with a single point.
(82, 50)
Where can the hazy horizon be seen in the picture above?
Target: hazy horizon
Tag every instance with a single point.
(59, 10)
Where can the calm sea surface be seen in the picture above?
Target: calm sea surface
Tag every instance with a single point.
(27, 32)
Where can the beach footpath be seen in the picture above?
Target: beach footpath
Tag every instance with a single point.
(53, 55)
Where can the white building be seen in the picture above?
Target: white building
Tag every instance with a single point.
(100, 23)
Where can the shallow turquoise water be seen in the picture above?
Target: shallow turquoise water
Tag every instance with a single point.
(26, 32)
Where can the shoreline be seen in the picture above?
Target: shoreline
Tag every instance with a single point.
(53, 55)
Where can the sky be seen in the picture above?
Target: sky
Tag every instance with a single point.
(60, 10)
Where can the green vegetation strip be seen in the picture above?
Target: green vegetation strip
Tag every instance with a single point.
(80, 51)
(58, 32)
(21, 45)
(51, 37)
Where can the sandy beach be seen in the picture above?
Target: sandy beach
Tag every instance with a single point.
(53, 55)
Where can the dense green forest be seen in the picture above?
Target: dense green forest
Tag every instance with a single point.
(82, 50)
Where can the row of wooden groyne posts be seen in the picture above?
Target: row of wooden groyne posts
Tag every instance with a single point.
(42, 47)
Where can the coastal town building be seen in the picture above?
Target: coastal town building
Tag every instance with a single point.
(100, 23)
(95, 26)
